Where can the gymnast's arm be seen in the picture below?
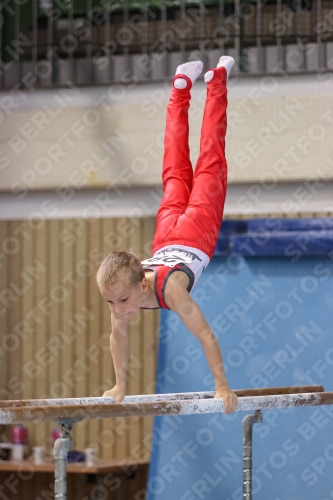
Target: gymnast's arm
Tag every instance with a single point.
(179, 300)
(119, 347)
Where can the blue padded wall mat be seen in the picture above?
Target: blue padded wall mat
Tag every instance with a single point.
(273, 319)
(291, 244)
(285, 237)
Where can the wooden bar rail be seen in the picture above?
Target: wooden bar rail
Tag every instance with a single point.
(12, 412)
(266, 391)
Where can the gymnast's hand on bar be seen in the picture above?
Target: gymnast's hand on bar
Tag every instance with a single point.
(116, 393)
(230, 399)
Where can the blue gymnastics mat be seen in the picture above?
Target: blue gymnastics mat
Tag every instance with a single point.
(273, 317)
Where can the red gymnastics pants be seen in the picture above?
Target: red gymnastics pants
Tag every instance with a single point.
(192, 205)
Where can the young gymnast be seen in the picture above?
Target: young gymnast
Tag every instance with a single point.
(188, 224)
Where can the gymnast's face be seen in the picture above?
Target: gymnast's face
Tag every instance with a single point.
(125, 299)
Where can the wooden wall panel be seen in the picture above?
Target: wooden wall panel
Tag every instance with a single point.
(14, 286)
(63, 324)
(94, 306)
(3, 308)
(3, 320)
(55, 347)
(40, 387)
(108, 427)
(27, 323)
(65, 384)
(80, 320)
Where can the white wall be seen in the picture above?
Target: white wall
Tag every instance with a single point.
(279, 129)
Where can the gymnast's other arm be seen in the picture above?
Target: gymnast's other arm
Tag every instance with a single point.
(119, 347)
(179, 300)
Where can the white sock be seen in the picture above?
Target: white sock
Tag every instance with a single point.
(226, 61)
(191, 69)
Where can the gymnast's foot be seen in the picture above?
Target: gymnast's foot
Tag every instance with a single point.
(190, 69)
(226, 62)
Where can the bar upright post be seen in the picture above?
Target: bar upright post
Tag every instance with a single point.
(60, 452)
(247, 424)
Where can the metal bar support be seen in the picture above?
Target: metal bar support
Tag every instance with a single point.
(17, 41)
(202, 30)
(238, 37)
(126, 54)
(163, 30)
(34, 50)
(144, 41)
(300, 41)
(60, 452)
(221, 27)
(107, 38)
(320, 44)
(89, 73)
(247, 423)
(281, 48)
(182, 42)
(70, 6)
(51, 28)
(260, 49)
(1, 54)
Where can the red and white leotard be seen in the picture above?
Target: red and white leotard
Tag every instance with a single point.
(173, 258)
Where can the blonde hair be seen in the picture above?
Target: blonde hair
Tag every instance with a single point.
(116, 265)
